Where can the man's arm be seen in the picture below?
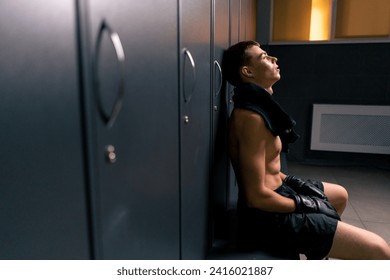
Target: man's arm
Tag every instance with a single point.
(253, 140)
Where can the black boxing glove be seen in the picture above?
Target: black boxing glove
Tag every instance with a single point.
(304, 187)
(307, 204)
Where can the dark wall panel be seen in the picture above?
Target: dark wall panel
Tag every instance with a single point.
(331, 74)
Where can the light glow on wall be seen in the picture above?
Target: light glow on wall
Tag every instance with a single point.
(320, 20)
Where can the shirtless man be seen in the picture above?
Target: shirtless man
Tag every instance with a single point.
(272, 215)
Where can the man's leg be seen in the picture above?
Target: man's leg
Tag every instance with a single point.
(337, 195)
(351, 242)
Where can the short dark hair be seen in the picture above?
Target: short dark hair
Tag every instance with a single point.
(233, 59)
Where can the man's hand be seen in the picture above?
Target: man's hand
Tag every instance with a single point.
(307, 204)
(304, 187)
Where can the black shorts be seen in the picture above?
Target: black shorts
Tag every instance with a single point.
(302, 233)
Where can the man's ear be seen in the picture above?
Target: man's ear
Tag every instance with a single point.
(246, 72)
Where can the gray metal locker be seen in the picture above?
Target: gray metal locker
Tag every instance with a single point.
(235, 19)
(134, 127)
(243, 27)
(42, 185)
(220, 162)
(195, 126)
(243, 20)
(250, 20)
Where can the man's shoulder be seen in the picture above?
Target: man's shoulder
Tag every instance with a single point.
(245, 124)
(247, 117)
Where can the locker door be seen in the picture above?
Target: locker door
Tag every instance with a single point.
(243, 27)
(243, 20)
(235, 19)
(195, 125)
(134, 127)
(42, 186)
(220, 161)
(248, 10)
(251, 14)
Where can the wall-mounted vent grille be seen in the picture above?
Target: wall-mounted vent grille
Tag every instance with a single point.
(351, 128)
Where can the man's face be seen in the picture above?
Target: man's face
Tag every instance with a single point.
(262, 68)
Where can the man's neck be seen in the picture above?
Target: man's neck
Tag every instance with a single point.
(267, 88)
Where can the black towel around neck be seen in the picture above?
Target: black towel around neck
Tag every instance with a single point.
(255, 98)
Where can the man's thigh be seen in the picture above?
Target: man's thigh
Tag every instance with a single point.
(337, 195)
(351, 242)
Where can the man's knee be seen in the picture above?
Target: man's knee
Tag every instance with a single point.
(381, 249)
(337, 195)
(351, 242)
(343, 195)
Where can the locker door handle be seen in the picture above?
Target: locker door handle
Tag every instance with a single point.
(110, 118)
(188, 95)
(216, 63)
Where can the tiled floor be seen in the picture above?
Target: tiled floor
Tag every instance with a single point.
(369, 193)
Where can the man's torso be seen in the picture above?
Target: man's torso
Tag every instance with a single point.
(238, 150)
